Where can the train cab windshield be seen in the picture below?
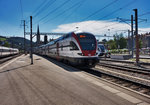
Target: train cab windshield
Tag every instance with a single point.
(102, 47)
(87, 41)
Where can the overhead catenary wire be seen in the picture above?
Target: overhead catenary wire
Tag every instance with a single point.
(99, 10)
(125, 6)
(115, 11)
(78, 3)
(43, 6)
(147, 13)
(21, 8)
(124, 20)
(54, 10)
(39, 7)
(75, 9)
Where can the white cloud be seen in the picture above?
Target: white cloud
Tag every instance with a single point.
(144, 30)
(98, 27)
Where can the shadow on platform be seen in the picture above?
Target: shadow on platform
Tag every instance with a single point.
(71, 68)
(14, 69)
(61, 64)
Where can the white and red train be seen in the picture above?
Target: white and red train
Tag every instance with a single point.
(5, 51)
(76, 48)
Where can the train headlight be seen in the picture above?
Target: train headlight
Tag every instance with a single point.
(80, 54)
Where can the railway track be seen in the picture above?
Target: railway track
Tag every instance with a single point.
(144, 71)
(137, 75)
(122, 61)
(139, 85)
(5, 59)
(136, 84)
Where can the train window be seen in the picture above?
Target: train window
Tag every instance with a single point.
(73, 46)
(87, 41)
(61, 47)
(5, 50)
(48, 49)
(102, 47)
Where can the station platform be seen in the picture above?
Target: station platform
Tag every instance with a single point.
(48, 82)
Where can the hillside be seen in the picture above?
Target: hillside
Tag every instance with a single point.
(15, 42)
(2, 39)
(18, 41)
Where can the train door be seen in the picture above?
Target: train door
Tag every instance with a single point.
(9, 50)
(1, 50)
(57, 52)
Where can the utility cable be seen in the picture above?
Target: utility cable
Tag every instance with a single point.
(144, 14)
(125, 6)
(75, 9)
(44, 8)
(64, 11)
(21, 8)
(99, 10)
(54, 10)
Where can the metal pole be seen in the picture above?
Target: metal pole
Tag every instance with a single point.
(109, 34)
(129, 41)
(137, 37)
(132, 36)
(24, 38)
(31, 40)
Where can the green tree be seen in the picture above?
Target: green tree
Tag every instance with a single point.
(120, 41)
(6, 44)
(111, 44)
(140, 44)
(104, 40)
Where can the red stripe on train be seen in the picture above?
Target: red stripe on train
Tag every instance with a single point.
(88, 52)
(85, 52)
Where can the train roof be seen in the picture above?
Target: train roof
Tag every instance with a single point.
(2, 47)
(79, 31)
(64, 36)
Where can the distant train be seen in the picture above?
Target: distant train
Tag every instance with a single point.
(76, 48)
(5, 51)
(103, 51)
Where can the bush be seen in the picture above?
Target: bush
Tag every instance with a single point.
(118, 51)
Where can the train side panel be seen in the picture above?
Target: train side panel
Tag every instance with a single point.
(4, 51)
(70, 48)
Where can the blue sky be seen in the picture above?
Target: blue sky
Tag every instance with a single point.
(65, 15)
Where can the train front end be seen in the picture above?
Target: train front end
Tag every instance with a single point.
(87, 57)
